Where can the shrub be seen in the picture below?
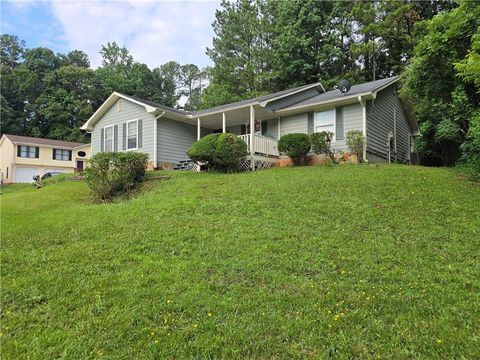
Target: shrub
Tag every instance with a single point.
(110, 174)
(322, 144)
(296, 146)
(219, 152)
(356, 143)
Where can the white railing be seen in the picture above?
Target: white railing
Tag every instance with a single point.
(261, 144)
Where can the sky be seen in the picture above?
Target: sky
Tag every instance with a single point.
(153, 31)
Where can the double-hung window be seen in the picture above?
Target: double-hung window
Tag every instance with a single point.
(325, 121)
(61, 154)
(132, 135)
(108, 139)
(27, 151)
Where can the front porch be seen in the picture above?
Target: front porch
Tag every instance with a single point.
(246, 123)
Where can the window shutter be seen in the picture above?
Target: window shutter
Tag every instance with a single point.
(37, 152)
(102, 133)
(115, 138)
(69, 155)
(124, 136)
(339, 123)
(140, 133)
(310, 123)
(19, 150)
(53, 153)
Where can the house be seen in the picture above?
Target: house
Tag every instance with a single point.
(127, 123)
(22, 157)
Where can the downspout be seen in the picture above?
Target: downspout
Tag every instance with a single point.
(155, 135)
(364, 124)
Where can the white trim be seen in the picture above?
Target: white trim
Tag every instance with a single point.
(252, 132)
(199, 132)
(127, 134)
(363, 102)
(224, 122)
(279, 124)
(119, 105)
(155, 138)
(104, 139)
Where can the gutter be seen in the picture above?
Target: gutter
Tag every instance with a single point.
(363, 102)
(155, 144)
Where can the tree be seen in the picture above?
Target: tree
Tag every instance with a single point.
(446, 101)
(12, 50)
(191, 78)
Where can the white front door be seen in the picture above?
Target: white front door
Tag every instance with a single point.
(25, 174)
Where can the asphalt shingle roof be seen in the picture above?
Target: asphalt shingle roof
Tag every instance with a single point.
(355, 89)
(40, 141)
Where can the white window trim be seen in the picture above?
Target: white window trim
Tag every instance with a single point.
(334, 123)
(70, 154)
(105, 138)
(126, 136)
(120, 105)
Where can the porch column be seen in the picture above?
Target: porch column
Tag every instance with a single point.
(252, 131)
(279, 127)
(199, 129)
(224, 123)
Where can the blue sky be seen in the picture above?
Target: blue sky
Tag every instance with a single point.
(154, 31)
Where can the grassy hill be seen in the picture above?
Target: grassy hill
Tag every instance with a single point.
(312, 262)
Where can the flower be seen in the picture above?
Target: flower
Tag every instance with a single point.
(439, 341)
(209, 314)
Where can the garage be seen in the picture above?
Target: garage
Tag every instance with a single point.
(25, 174)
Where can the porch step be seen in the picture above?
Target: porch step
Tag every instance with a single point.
(184, 165)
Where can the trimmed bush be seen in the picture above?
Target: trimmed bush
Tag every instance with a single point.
(356, 143)
(219, 152)
(322, 144)
(296, 146)
(110, 174)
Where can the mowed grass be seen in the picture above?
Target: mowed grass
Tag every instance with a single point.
(308, 262)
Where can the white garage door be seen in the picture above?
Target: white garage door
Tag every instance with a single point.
(25, 174)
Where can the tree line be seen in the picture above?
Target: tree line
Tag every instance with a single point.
(262, 46)
(51, 95)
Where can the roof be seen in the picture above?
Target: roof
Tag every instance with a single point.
(259, 99)
(354, 90)
(154, 104)
(41, 141)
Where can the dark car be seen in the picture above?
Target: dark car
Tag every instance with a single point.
(50, 174)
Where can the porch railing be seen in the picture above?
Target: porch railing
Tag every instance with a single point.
(262, 145)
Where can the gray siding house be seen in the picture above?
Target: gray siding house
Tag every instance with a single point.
(127, 123)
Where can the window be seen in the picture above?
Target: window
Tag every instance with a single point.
(325, 121)
(119, 105)
(108, 139)
(132, 134)
(61, 154)
(82, 153)
(27, 151)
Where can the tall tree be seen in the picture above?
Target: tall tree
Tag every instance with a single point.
(446, 101)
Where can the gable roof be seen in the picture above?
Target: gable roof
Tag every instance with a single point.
(355, 90)
(40, 141)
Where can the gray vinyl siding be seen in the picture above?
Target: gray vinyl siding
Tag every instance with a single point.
(131, 111)
(380, 122)
(292, 99)
(352, 120)
(272, 128)
(174, 139)
(294, 124)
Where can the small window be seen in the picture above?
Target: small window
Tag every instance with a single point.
(61, 154)
(82, 153)
(7, 172)
(27, 151)
(120, 105)
(132, 134)
(325, 121)
(108, 139)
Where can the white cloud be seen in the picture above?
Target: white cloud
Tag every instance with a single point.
(153, 31)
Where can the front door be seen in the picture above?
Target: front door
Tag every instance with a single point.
(79, 165)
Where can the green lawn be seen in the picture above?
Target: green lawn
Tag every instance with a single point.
(310, 262)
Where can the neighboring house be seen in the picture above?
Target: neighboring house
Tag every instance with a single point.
(127, 123)
(22, 157)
